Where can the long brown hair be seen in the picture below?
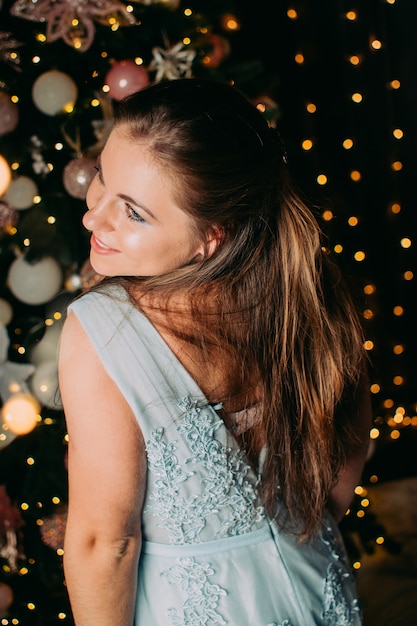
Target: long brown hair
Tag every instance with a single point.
(268, 296)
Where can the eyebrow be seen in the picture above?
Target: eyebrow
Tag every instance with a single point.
(129, 199)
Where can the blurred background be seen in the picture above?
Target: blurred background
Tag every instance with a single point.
(339, 81)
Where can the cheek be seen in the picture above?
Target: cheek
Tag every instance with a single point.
(135, 243)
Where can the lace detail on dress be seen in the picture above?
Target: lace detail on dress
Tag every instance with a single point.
(200, 608)
(335, 547)
(337, 611)
(225, 489)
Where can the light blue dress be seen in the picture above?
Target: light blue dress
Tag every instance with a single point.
(210, 555)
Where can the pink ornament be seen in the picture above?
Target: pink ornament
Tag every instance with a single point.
(53, 528)
(9, 114)
(8, 216)
(10, 518)
(125, 77)
(78, 175)
(220, 50)
(6, 598)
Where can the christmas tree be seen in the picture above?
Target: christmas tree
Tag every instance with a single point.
(64, 66)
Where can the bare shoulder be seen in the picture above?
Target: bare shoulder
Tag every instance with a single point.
(78, 358)
(106, 447)
(73, 340)
(89, 394)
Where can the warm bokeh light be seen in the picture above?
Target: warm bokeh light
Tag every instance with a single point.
(5, 175)
(20, 413)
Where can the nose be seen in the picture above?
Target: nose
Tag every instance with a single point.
(98, 217)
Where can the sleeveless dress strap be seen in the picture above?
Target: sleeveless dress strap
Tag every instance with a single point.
(135, 356)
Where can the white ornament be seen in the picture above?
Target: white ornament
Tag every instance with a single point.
(44, 385)
(21, 192)
(47, 348)
(6, 312)
(54, 92)
(35, 283)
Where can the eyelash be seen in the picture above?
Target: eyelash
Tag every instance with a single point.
(98, 170)
(130, 211)
(133, 215)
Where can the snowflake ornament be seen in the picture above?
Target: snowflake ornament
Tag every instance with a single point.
(72, 20)
(10, 524)
(172, 63)
(39, 165)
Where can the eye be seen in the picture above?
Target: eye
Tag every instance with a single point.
(133, 215)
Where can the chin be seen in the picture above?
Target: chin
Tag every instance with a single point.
(100, 270)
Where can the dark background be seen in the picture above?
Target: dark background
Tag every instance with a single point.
(262, 62)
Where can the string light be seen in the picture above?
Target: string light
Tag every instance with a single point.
(230, 22)
(356, 176)
(395, 208)
(351, 16)
(357, 172)
(394, 84)
(307, 144)
(375, 44)
(372, 44)
(405, 242)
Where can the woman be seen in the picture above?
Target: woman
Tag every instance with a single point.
(213, 386)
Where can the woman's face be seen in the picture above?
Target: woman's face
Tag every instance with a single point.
(136, 227)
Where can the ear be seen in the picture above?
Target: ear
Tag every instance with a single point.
(215, 236)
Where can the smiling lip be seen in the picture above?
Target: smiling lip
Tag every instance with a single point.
(99, 247)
